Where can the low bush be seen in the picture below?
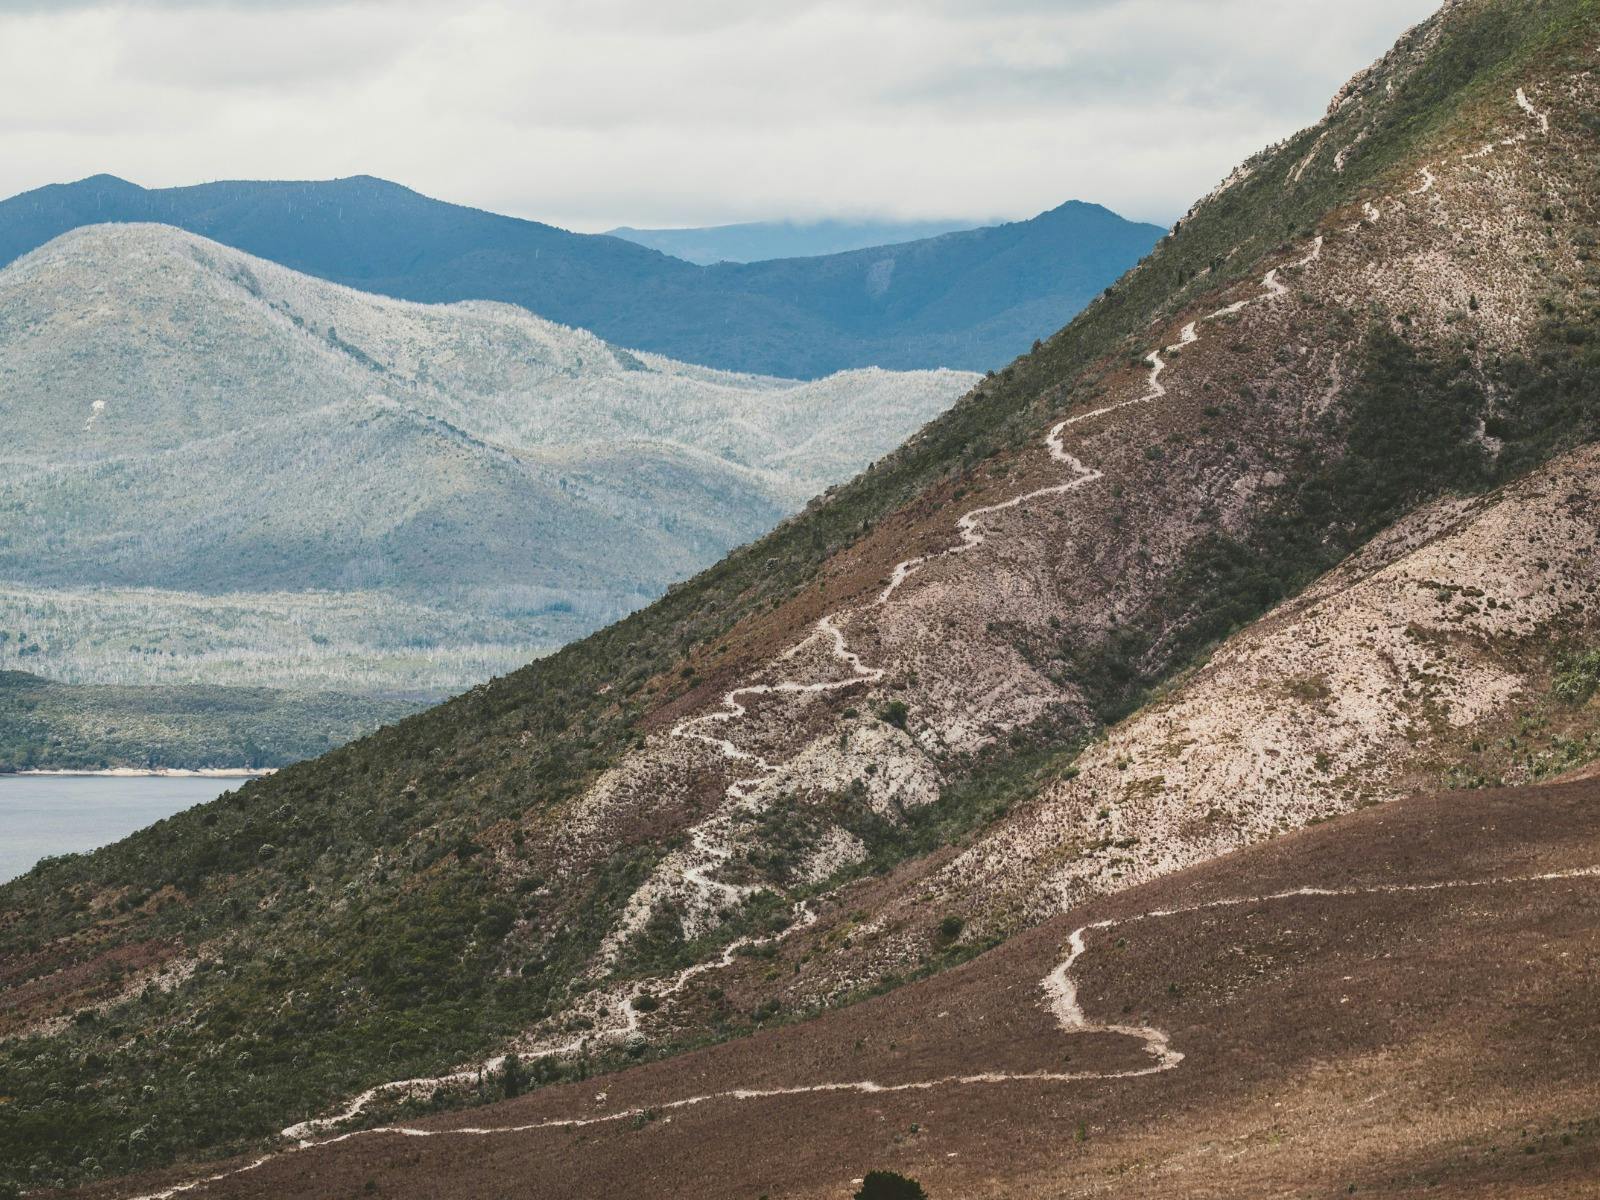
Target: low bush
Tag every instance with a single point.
(889, 1185)
(1578, 677)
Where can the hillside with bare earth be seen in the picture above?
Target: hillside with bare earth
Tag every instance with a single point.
(1419, 662)
(1397, 1003)
(1296, 520)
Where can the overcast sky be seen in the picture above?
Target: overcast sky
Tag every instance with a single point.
(594, 113)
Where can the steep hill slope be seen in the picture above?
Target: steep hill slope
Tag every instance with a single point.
(1394, 1004)
(190, 419)
(786, 785)
(968, 300)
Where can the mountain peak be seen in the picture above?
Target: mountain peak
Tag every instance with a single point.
(148, 345)
(102, 182)
(952, 302)
(1088, 211)
(374, 183)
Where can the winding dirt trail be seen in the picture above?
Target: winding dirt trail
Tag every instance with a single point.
(972, 534)
(710, 729)
(732, 709)
(1527, 106)
(969, 529)
(1060, 996)
(1488, 148)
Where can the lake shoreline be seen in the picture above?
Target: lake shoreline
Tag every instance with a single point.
(147, 773)
(49, 813)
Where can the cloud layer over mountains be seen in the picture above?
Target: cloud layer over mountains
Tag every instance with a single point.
(724, 112)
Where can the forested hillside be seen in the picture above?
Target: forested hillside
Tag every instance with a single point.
(224, 472)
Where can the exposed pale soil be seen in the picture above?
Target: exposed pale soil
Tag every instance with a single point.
(1354, 693)
(1036, 557)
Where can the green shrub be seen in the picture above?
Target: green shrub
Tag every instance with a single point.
(889, 1185)
(1578, 677)
(512, 1076)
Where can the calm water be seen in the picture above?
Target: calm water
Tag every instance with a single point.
(58, 814)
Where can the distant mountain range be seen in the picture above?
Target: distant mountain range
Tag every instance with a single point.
(971, 300)
(759, 241)
(185, 421)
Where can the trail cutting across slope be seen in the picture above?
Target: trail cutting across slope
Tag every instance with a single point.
(972, 535)
(732, 708)
(710, 852)
(971, 532)
(1061, 1000)
(1429, 179)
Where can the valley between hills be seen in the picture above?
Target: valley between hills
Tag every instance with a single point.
(1170, 771)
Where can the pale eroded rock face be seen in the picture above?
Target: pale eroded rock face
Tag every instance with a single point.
(1346, 696)
(1317, 711)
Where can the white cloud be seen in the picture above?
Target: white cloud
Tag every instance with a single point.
(601, 112)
